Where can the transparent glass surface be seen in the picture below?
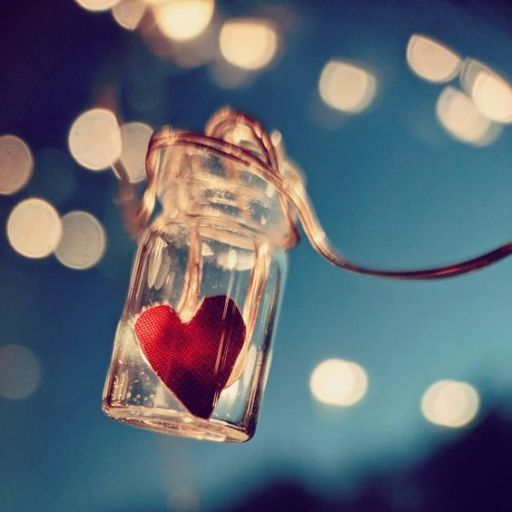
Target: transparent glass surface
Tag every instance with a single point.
(192, 348)
(134, 393)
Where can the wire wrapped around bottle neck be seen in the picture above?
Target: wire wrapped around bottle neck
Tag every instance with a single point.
(267, 161)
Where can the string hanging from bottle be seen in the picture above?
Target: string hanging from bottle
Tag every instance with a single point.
(266, 158)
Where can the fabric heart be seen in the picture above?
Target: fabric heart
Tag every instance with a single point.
(193, 359)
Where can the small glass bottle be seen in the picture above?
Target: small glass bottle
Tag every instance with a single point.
(193, 346)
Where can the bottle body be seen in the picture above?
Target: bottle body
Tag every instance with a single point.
(193, 346)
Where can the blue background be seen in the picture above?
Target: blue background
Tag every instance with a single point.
(391, 188)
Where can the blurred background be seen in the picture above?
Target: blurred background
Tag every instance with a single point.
(382, 395)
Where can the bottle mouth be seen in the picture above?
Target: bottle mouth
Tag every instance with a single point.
(232, 175)
(200, 186)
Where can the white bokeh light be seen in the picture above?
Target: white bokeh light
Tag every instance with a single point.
(182, 20)
(94, 139)
(83, 241)
(347, 87)
(490, 92)
(20, 372)
(16, 164)
(459, 116)
(338, 382)
(129, 13)
(34, 228)
(431, 59)
(135, 137)
(206, 250)
(233, 259)
(248, 43)
(450, 403)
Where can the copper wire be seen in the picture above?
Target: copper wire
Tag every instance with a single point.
(293, 195)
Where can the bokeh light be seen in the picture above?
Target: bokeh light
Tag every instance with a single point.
(459, 116)
(94, 139)
(346, 87)
(188, 53)
(135, 139)
(206, 250)
(16, 164)
(34, 228)
(229, 395)
(129, 13)
(450, 403)
(248, 43)
(236, 259)
(20, 372)
(83, 241)
(97, 5)
(431, 59)
(491, 93)
(182, 20)
(338, 382)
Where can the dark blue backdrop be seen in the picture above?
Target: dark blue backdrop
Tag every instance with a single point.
(391, 187)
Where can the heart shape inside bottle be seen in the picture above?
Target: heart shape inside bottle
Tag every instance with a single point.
(196, 358)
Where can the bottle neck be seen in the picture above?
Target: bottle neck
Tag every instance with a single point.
(216, 196)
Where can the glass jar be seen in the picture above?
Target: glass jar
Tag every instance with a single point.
(193, 346)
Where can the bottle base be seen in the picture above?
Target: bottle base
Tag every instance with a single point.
(176, 423)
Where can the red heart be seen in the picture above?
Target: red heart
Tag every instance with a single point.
(193, 359)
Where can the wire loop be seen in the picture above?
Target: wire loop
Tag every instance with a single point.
(267, 161)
